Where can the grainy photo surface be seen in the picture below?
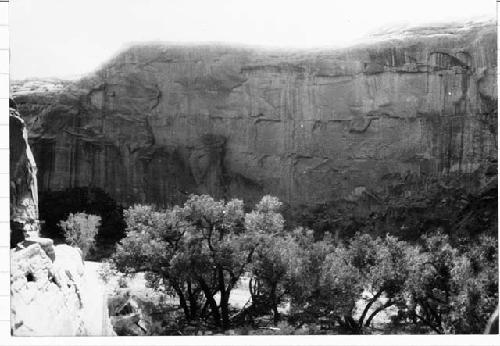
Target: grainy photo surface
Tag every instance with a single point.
(253, 167)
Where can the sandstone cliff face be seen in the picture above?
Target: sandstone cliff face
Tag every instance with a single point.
(159, 122)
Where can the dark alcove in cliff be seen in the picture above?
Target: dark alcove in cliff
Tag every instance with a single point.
(57, 205)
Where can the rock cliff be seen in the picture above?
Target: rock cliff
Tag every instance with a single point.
(158, 121)
(23, 182)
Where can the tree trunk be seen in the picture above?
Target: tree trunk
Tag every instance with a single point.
(368, 306)
(224, 306)
(193, 303)
(224, 299)
(349, 324)
(204, 310)
(380, 308)
(215, 311)
(182, 301)
(211, 302)
(274, 304)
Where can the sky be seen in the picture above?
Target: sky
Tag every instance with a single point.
(70, 38)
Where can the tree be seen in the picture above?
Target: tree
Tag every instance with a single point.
(386, 276)
(269, 266)
(478, 284)
(305, 289)
(80, 230)
(378, 265)
(275, 267)
(454, 290)
(199, 250)
(217, 250)
(153, 242)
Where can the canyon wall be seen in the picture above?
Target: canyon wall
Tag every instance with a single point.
(159, 122)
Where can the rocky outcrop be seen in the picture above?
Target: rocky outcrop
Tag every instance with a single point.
(51, 298)
(161, 121)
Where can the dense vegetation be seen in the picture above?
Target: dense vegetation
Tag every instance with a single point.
(200, 251)
(425, 256)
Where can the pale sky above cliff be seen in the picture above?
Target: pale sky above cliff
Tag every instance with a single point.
(67, 38)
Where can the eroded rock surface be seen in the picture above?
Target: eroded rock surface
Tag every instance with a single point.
(159, 122)
(23, 181)
(52, 298)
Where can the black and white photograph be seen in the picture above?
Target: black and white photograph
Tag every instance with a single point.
(253, 168)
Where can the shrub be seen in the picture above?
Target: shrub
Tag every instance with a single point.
(57, 205)
(80, 230)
